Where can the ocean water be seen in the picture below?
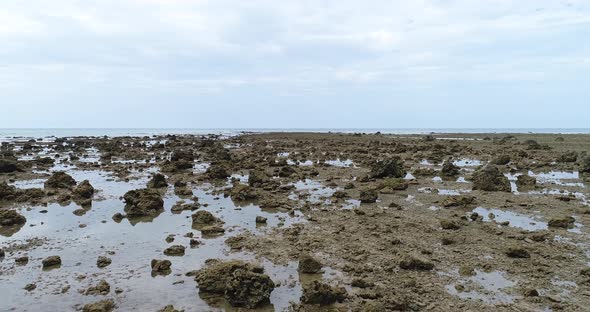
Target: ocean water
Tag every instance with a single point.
(40, 133)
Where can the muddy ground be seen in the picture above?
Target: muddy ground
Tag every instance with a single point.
(296, 222)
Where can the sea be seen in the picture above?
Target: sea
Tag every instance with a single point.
(19, 134)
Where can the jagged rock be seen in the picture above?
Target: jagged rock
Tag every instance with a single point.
(217, 171)
(526, 182)
(389, 168)
(60, 179)
(415, 264)
(143, 202)
(260, 219)
(84, 189)
(11, 217)
(158, 180)
(102, 288)
(501, 160)
(449, 169)
(241, 192)
(308, 264)
(161, 267)
(203, 217)
(490, 179)
(242, 284)
(106, 305)
(103, 261)
(517, 252)
(563, 222)
(175, 250)
(458, 201)
(368, 196)
(322, 294)
(51, 261)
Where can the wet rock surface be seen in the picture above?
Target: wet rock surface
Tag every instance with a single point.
(60, 179)
(419, 240)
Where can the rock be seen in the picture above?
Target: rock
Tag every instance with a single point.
(103, 261)
(169, 308)
(449, 224)
(11, 217)
(158, 180)
(30, 287)
(60, 179)
(117, 217)
(287, 171)
(389, 186)
(323, 294)
(2, 253)
(84, 189)
(568, 157)
(563, 222)
(242, 284)
(449, 169)
(257, 178)
(368, 196)
(415, 264)
(260, 219)
(212, 230)
(361, 283)
(531, 293)
(175, 250)
(526, 182)
(9, 165)
(203, 217)
(389, 168)
(501, 160)
(241, 192)
(161, 267)
(7, 192)
(102, 288)
(517, 252)
(51, 261)
(217, 171)
(340, 194)
(308, 264)
(490, 179)
(585, 165)
(178, 155)
(458, 201)
(143, 202)
(22, 260)
(106, 305)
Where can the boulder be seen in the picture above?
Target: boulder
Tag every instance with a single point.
(175, 250)
(161, 267)
(203, 217)
(323, 294)
(51, 261)
(11, 217)
(490, 179)
(308, 264)
(389, 168)
(103, 261)
(158, 180)
(106, 305)
(217, 171)
(143, 202)
(449, 169)
(60, 179)
(241, 283)
(368, 196)
(84, 189)
(102, 288)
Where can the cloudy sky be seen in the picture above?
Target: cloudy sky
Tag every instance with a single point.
(302, 64)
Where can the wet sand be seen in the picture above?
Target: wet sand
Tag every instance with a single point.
(415, 234)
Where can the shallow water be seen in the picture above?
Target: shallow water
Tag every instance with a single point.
(131, 244)
(489, 287)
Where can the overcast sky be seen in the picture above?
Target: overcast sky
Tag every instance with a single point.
(303, 64)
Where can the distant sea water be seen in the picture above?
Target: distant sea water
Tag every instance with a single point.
(39, 133)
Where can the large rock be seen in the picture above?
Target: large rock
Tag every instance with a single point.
(242, 284)
(449, 169)
(158, 180)
(308, 264)
(161, 267)
(257, 178)
(9, 165)
(562, 222)
(51, 261)
(241, 192)
(322, 294)
(490, 179)
(11, 217)
(204, 217)
(389, 168)
(84, 189)
(217, 171)
(143, 202)
(60, 179)
(106, 305)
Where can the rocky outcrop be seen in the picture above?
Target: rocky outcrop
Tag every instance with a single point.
(490, 179)
(143, 202)
(60, 179)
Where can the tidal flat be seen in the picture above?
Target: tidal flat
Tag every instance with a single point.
(296, 222)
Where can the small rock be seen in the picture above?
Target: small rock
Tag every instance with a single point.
(51, 262)
(103, 261)
(175, 250)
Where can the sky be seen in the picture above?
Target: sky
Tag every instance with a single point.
(295, 64)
